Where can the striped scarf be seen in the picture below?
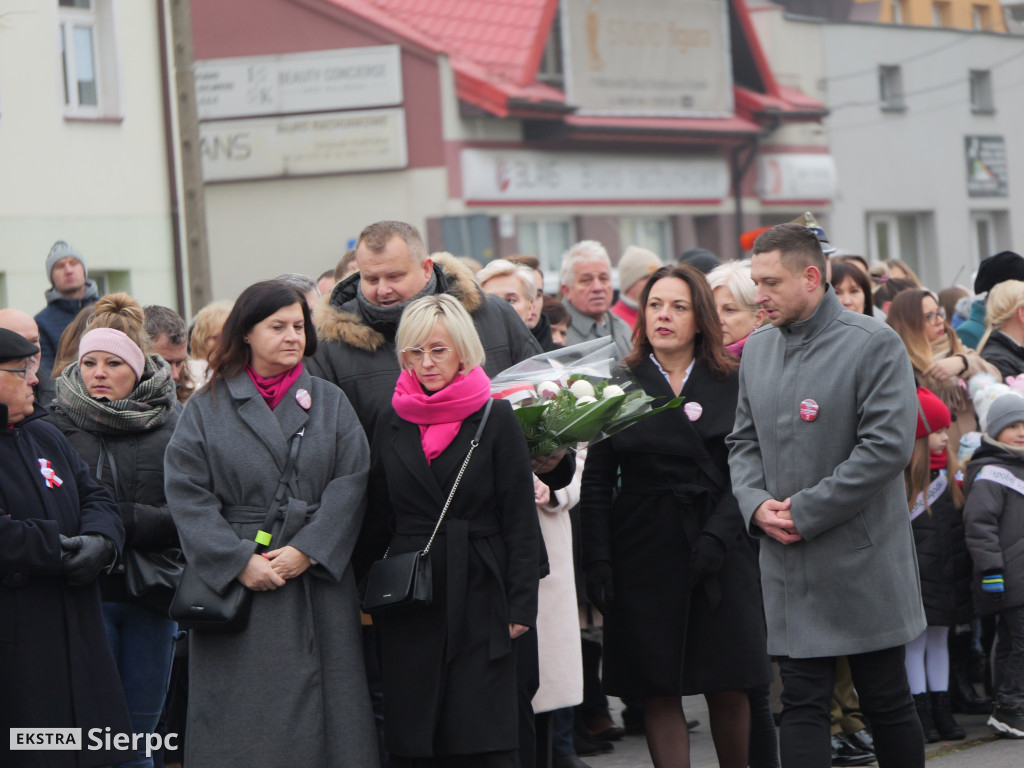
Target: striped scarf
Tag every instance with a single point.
(147, 407)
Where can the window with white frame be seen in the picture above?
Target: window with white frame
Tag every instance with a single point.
(654, 234)
(982, 101)
(896, 10)
(895, 236)
(990, 234)
(890, 88)
(547, 239)
(88, 58)
(551, 70)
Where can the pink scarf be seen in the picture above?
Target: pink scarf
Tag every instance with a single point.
(274, 388)
(736, 348)
(440, 414)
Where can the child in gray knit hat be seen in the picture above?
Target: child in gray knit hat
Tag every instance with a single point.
(994, 520)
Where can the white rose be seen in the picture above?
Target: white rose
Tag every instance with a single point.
(613, 390)
(548, 389)
(585, 399)
(582, 388)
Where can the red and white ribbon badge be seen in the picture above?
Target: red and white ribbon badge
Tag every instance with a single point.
(52, 481)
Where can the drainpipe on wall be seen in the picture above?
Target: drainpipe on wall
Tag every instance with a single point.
(739, 170)
(170, 151)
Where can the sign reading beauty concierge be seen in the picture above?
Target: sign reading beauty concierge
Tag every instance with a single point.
(522, 176)
(648, 57)
(337, 142)
(298, 82)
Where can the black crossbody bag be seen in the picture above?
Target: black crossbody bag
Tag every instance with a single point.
(197, 606)
(406, 580)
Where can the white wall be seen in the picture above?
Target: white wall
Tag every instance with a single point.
(102, 186)
(259, 229)
(914, 160)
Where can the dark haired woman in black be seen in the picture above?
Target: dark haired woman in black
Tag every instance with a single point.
(664, 552)
(290, 688)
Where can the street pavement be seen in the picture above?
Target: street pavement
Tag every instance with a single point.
(981, 749)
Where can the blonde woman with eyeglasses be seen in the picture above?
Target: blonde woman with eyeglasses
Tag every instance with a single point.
(941, 362)
(449, 668)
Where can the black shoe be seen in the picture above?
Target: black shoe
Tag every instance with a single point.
(568, 761)
(601, 727)
(1008, 720)
(949, 729)
(924, 714)
(862, 739)
(962, 695)
(586, 745)
(845, 753)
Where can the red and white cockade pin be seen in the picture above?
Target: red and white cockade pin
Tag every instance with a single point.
(304, 399)
(693, 411)
(808, 410)
(52, 481)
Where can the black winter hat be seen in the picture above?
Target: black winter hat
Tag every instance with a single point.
(1005, 265)
(14, 346)
(700, 258)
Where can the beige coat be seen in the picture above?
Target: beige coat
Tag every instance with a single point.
(558, 631)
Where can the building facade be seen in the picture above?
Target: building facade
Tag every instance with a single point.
(85, 147)
(922, 126)
(496, 127)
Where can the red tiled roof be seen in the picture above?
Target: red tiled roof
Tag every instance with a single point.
(504, 37)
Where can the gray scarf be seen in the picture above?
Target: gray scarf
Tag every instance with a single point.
(147, 407)
(389, 316)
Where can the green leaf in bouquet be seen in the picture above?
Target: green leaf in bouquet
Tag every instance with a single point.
(637, 410)
(585, 422)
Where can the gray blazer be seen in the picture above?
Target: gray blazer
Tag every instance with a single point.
(852, 584)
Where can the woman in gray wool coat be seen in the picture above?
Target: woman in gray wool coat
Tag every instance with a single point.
(289, 689)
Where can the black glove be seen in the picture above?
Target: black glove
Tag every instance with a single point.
(599, 586)
(707, 557)
(83, 557)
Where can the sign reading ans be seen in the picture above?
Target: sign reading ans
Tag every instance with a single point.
(986, 166)
(796, 177)
(308, 145)
(648, 57)
(293, 83)
(524, 176)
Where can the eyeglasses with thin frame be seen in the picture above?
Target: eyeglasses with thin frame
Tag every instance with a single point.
(437, 354)
(931, 317)
(32, 367)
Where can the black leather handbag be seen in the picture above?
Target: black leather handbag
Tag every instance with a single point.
(406, 580)
(197, 606)
(153, 577)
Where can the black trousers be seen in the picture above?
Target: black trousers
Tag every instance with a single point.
(881, 682)
(1010, 657)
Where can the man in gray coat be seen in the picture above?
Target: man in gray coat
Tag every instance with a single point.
(824, 429)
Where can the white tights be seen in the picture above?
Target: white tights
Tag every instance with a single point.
(927, 661)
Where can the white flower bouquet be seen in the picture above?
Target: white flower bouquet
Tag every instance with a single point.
(579, 394)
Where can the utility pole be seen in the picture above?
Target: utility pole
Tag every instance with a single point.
(198, 256)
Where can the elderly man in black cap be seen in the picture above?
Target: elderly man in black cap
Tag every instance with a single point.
(59, 529)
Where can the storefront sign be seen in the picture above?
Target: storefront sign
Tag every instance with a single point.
(298, 82)
(525, 176)
(338, 142)
(986, 166)
(648, 57)
(796, 177)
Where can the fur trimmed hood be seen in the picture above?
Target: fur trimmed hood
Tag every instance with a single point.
(338, 317)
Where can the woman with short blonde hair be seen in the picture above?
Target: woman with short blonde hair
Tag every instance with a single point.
(483, 557)
(418, 321)
(515, 283)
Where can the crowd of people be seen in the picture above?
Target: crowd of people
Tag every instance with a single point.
(836, 503)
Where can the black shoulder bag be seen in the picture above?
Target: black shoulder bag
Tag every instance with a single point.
(199, 607)
(406, 580)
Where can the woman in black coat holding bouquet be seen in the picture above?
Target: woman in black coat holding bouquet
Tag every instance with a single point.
(666, 560)
(449, 669)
